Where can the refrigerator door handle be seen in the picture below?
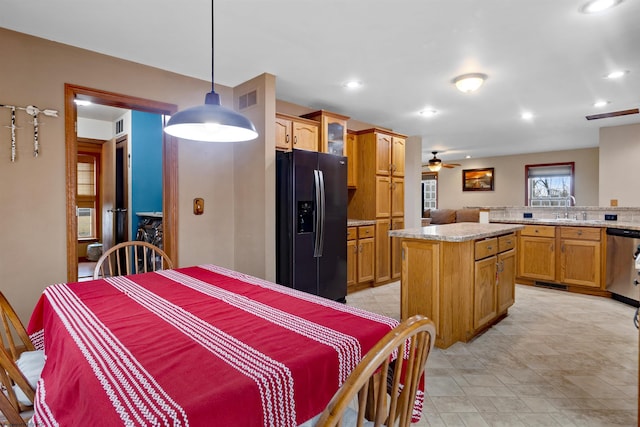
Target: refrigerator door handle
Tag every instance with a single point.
(322, 212)
(318, 227)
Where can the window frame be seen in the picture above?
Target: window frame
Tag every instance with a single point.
(434, 177)
(92, 148)
(572, 165)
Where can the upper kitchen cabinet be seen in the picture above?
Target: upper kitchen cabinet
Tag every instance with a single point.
(390, 149)
(296, 132)
(333, 131)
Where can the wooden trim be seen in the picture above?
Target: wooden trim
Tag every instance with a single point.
(612, 114)
(169, 166)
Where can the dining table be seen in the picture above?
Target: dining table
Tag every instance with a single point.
(194, 346)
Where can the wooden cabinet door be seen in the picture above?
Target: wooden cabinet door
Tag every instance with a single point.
(396, 249)
(537, 258)
(580, 262)
(305, 136)
(485, 292)
(397, 197)
(383, 196)
(420, 281)
(506, 280)
(366, 259)
(383, 250)
(397, 156)
(352, 160)
(352, 262)
(283, 134)
(383, 154)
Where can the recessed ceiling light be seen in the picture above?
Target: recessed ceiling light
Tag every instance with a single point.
(82, 102)
(595, 6)
(527, 115)
(428, 112)
(616, 74)
(601, 103)
(467, 156)
(353, 84)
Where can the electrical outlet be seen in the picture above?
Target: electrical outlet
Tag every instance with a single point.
(610, 217)
(527, 215)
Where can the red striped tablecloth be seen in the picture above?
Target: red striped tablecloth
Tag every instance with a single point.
(198, 346)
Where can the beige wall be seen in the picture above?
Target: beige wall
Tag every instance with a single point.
(619, 160)
(510, 179)
(32, 191)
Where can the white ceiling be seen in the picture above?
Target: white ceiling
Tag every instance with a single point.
(542, 56)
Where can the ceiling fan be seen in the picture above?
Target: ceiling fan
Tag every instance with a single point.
(435, 164)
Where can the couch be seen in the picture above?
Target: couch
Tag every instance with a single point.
(448, 216)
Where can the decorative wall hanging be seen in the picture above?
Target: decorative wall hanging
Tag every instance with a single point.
(477, 179)
(33, 112)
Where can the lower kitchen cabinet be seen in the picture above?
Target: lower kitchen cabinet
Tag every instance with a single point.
(570, 256)
(360, 257)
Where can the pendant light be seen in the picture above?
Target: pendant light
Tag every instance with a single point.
(211, 122)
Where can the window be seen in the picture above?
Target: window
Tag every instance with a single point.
(87, 197)
(429, 190)
(549, 184)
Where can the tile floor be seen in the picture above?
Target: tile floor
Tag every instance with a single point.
(558, 359)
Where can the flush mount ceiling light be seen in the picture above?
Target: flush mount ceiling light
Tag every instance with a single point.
(596, 6)
(527, 115)
(599, 104)
(469, 82)
(211, 122)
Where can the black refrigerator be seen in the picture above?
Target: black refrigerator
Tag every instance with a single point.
(311, 223)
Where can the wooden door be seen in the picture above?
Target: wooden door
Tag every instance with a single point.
(397, 156)
(108, 192)
(305, 136)
(383, 250)
(383, 154)
(283, 134)
(506, 280)
(485, 294)
(397, 197)
(352, 156)
(580, 262)
(352, 262)
(383, 196)
(366, 259)
(396, 249)
(537, 258)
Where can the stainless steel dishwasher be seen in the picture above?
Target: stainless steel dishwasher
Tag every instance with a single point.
(623, 277)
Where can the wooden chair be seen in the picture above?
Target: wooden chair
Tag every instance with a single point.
(415, 337)
(15, 412)
(13, 328)
(119, 261)
(10, 374)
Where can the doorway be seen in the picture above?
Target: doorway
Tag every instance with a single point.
(169, 166)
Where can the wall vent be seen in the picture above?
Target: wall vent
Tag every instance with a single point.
(119, 126)
(247, 100)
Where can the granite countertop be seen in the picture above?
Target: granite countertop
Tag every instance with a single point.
(569, 222)
(456, 232)
(358, 222)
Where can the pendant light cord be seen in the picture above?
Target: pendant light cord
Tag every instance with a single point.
(212, 46)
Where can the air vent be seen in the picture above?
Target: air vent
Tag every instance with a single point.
(119, 126)
(247, 100)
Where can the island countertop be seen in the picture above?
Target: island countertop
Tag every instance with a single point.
(456, 232)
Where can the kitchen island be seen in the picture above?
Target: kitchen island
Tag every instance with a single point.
(460, 275)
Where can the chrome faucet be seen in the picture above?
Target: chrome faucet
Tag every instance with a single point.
(567, 203)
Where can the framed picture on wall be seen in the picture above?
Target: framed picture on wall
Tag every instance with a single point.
(477, 179)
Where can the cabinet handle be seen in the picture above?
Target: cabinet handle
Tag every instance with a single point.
(355, 249)
(287, 138)
(360, 247)
(295, 139)
(579, 232)
(489, 248)
(508, 242)
(562, 248)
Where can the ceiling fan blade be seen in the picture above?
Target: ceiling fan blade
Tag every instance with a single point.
(446, 165)
(612, 114)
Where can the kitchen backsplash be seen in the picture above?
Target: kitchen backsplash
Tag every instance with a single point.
(589, 213)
